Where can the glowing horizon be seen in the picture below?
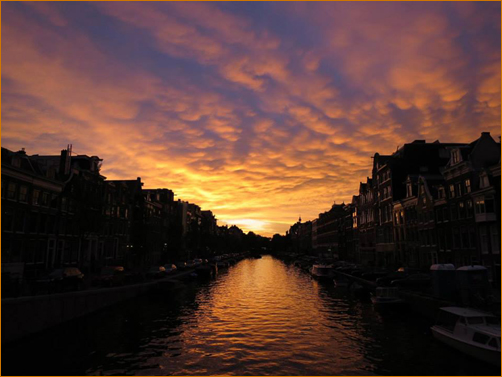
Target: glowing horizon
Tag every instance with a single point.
(259, 112)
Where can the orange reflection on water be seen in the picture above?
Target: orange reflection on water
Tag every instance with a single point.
(261, 311)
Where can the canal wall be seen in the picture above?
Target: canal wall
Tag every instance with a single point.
(24, 316)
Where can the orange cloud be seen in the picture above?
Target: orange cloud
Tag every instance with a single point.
(256, 119)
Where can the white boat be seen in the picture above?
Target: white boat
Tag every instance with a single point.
(322, 271)
(470, 331)
(387, 296)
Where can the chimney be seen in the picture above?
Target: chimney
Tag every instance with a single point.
(64, 161)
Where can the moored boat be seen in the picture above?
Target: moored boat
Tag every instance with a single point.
(207, 271)
(470, 331)
(322, 272)
(386, 297)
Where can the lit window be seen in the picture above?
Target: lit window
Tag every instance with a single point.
(467, 186)
(455, 157)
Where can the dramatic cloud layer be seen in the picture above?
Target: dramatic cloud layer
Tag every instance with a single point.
(261, 111)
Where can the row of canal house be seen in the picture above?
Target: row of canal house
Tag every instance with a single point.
(426, 203)
(61, 211)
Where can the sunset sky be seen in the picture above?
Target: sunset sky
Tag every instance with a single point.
(258, 111)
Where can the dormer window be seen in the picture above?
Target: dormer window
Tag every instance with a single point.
(455, 156)
(16, 162)
(483, 181)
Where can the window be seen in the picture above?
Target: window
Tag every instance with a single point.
(33, 222)
(493, 343)
(476, 321)
(456, 238)
(19, 222)
(495, 238)
(465, 238)
(484, 240)
(483, 181)
(467, 186)
(452, 191)
(469, 208)
(54, 201)
(7, 219)
(455, 157)
(480, 206)
(453, 212)
(485, 205)
(51, 221)
(23, 193)
(42, 223)
(461, 210)
(11, 190)
(35, 198)
(45, 199)
(489, 204)
(458, 189)
(472, 237)
(439, 215)
(445, 214)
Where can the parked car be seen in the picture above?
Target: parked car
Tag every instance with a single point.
(197, 262)
(156, 272)
(170, 268)
(61, 279)
(110, 276)
(180, 265)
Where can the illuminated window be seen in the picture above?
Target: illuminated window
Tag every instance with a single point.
(467, 186)
(455, 157)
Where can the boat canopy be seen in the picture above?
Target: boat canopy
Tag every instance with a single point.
(448, 267)
(466, 312)
(471, 268)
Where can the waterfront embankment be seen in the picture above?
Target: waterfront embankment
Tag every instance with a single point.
(24, 316)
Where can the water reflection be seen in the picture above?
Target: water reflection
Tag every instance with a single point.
(261, 317)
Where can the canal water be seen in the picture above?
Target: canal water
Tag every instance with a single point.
(259, 317)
